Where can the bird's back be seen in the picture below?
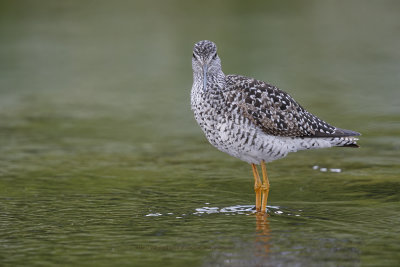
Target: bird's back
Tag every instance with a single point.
(275, 112)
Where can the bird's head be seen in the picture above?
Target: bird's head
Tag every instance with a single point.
(205, 61)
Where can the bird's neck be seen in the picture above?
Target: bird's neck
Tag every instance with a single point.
(215, 80)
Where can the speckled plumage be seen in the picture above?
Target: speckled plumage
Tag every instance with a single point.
(250, 119)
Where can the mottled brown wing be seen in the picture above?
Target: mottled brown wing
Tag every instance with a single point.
(276, 112)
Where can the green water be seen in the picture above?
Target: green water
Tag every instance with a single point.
(102, 163)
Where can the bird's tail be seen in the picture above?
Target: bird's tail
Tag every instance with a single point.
(324, 142)
(345, 142)
(345, 138)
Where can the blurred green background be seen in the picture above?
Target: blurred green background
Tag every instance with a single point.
(96, 132)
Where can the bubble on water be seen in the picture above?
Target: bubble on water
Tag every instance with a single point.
(153, 214)
(238, 208)
(207, 210)
(323, 169)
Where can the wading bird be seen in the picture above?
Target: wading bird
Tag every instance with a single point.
(252, 120)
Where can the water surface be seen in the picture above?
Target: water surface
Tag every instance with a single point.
(102, 163)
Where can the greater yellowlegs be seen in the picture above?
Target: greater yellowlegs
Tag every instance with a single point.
(252, 120)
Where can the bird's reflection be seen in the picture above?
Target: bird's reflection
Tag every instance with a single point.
(263, 234)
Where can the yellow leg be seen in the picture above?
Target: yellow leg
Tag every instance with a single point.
(257, 187)
(264, 187)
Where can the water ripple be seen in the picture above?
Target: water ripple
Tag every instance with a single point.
(231, 210)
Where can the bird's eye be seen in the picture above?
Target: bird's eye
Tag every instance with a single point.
(194, 56)
(215, 56)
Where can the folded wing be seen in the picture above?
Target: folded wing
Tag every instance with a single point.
(276, 112)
